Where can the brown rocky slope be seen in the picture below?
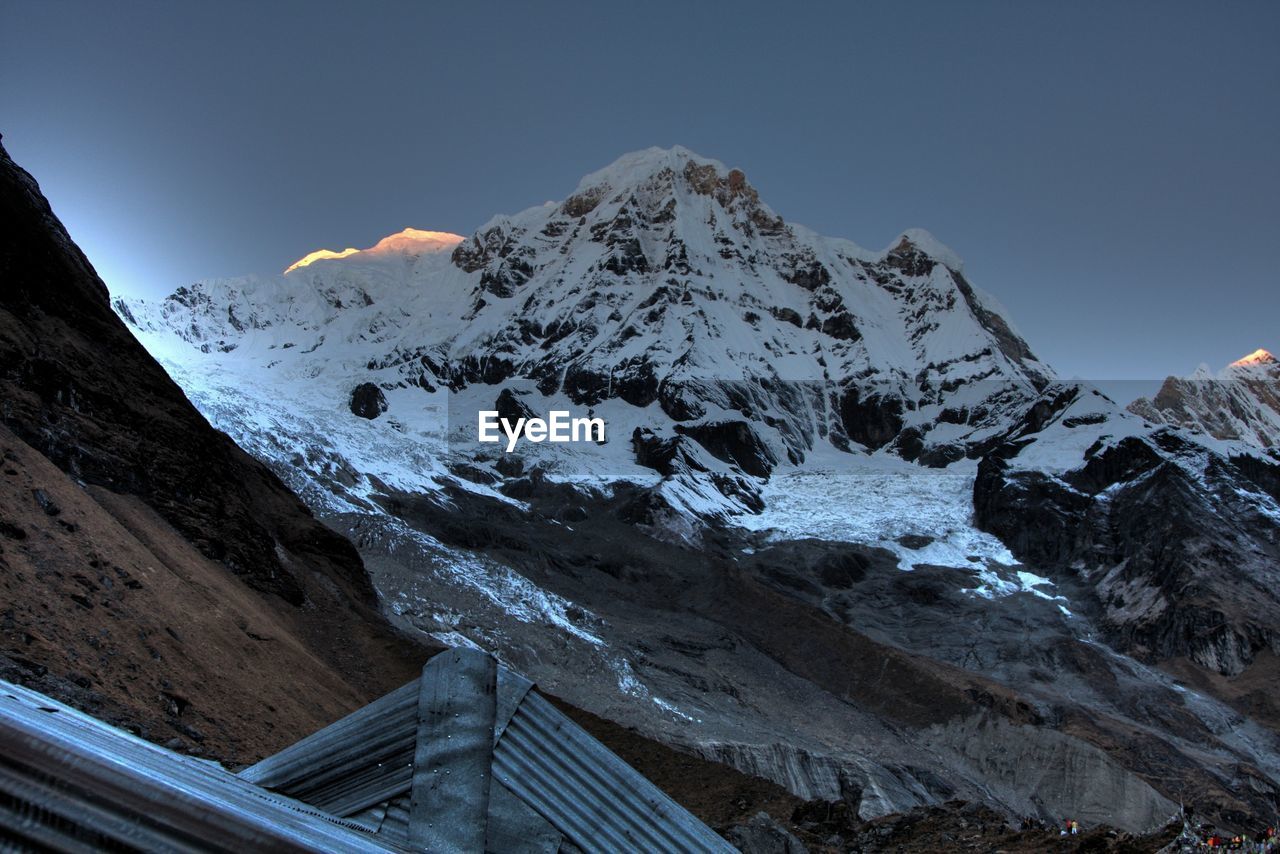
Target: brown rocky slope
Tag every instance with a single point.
(151, 569)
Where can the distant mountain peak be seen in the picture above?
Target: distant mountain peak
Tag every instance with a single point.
(1257, 357)
(408, 241)
(1240, 402)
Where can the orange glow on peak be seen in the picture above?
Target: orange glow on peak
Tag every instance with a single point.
(410, 241)
(1257, 357)
(319, 255)
(415, 239)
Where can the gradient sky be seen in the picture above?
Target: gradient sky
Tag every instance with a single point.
(1108, 170)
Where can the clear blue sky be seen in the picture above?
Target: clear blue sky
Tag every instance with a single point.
(1108, 170)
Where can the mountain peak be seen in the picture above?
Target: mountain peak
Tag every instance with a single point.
(634, 167)
(407, 241)
(925, 243)
(1237, 403)
(1257, 357)
(417, 240)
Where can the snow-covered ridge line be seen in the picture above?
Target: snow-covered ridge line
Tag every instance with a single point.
(409, 240)
(661, 279)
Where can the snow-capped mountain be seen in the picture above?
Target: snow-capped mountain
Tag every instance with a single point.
(664, 284)
(823, 464)
(1242, 401)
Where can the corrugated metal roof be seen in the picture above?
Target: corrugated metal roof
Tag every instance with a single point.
(541, 758)
(353, 764)
(70, 782)
(381, 779)
(589, 794)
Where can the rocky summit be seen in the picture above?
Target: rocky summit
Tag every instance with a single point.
(846, 532)
(1240, 402)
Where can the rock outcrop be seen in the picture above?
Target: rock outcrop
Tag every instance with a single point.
(368, 401)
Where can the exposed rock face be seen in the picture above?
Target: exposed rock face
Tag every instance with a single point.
(1036, 768)
(510, 407)
(871, 420)
(734, 442)
(368, 401)
(1175, 553)
(1241, 402)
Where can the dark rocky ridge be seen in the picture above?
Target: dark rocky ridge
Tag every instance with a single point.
(109, 608)
(1242, 402)
(1179, 565)
(77, 387)
(128, 517)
